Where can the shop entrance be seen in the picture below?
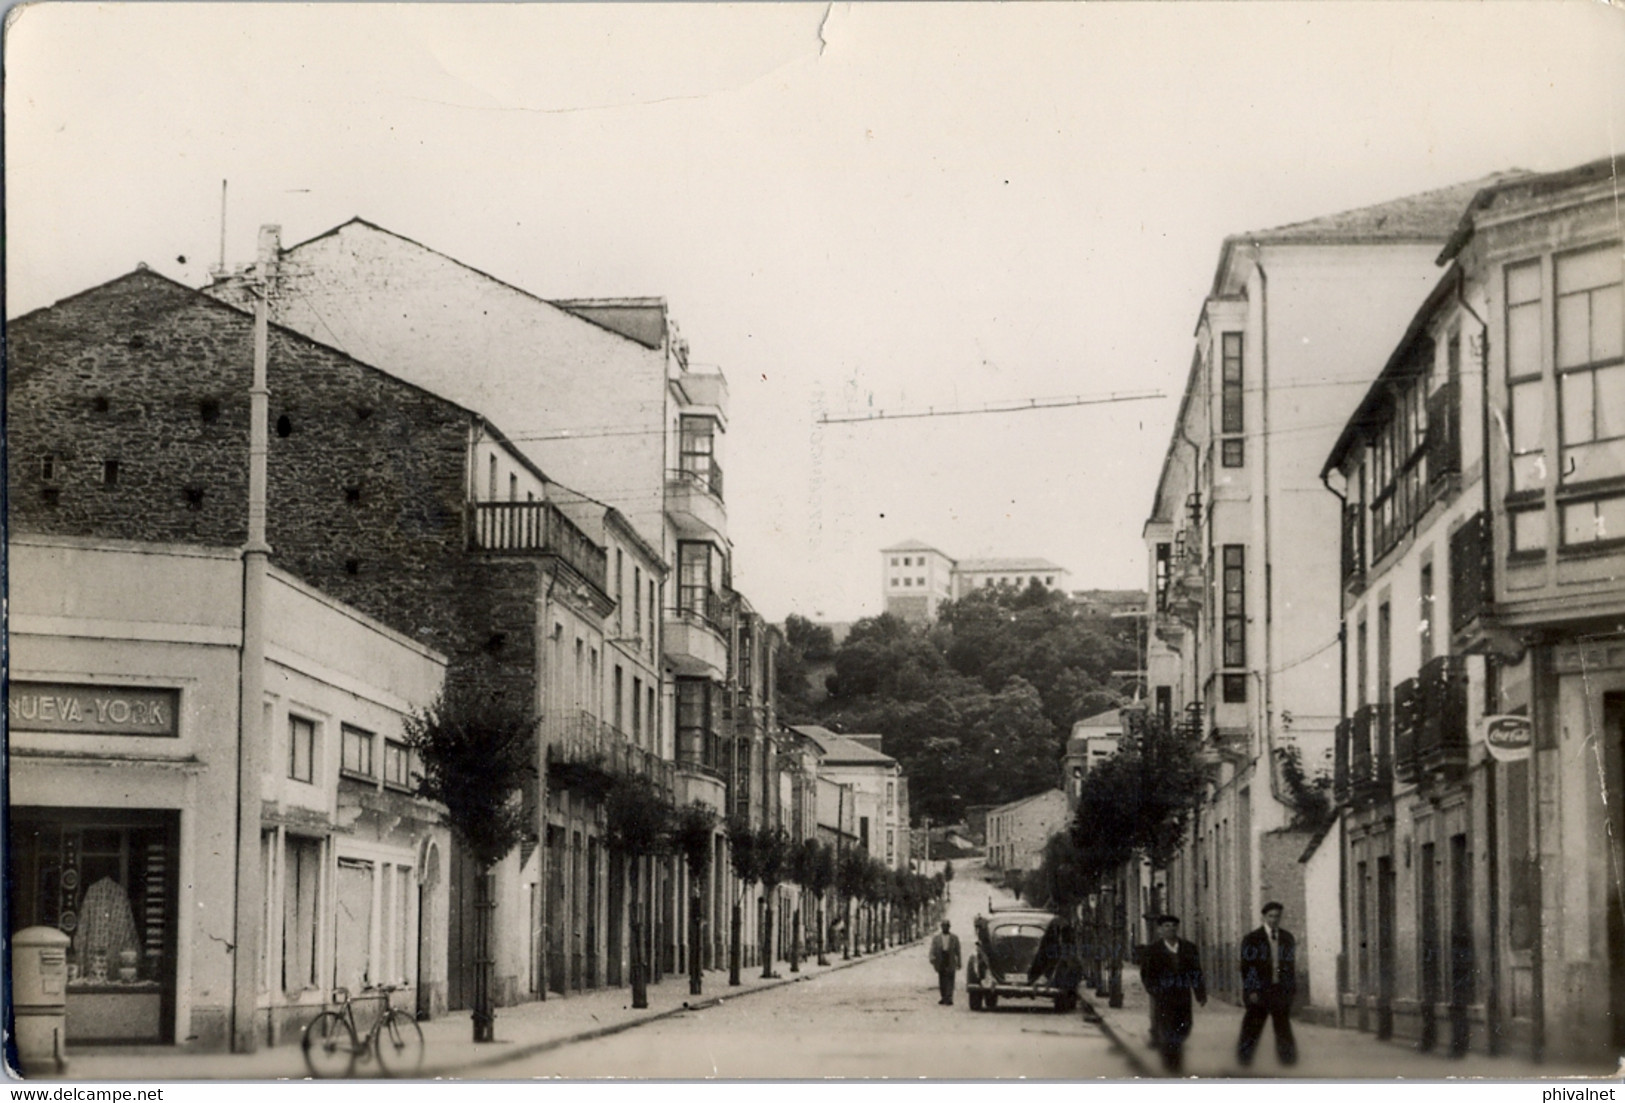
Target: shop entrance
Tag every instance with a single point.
(1613, 725)
(107, 879)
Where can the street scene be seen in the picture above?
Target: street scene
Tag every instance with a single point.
(773, 542)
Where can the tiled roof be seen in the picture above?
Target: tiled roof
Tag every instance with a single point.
(839, 750)
(1111, 718)
(914, 545)
(1025, 800)
(971, 566)
(1426, 216)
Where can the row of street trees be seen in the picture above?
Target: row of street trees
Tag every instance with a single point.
(476, 750)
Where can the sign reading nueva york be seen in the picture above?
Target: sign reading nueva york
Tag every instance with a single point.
(91, 710)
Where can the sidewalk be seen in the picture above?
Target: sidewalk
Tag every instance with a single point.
(522, 1030)
(1324, 1052)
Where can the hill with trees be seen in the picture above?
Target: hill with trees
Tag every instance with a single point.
(976, 707)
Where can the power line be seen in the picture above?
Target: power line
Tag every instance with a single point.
(996, 407)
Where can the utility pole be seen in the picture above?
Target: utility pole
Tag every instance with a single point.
(251, 675)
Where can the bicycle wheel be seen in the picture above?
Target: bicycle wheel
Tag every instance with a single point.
(330, 1046)
(399, 1042)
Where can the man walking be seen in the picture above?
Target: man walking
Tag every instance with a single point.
(1172, 973)
(945, 960)
(1269, 980)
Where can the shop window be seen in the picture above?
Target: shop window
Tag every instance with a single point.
(356, 751)
(301, 749)
(301, 911)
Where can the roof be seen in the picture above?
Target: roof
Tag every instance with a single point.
(971, 565)
(838, 750)
(1417, 219)
(1013, 805)
(1517, 186)
(914, 545)
(1111, 718)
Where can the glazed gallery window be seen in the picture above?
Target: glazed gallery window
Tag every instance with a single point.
(1526, 395)
(1590, 364)
(1231, 392)
(1235, 605)
(355, 751)
(301, 749)
(700, 579)
(697, 440)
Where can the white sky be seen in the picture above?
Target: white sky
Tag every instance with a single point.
(896, 206)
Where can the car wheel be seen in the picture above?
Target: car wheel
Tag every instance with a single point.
(1067, 1003)
(975, 998)
(991, 1000)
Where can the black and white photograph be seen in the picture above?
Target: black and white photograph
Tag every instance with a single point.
(787, 542)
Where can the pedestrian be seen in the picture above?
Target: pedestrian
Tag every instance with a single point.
(945, 960)
(1269, 980)
(1172, 973)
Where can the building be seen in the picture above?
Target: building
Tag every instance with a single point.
(1243, 612)
(915, 580)
(1018, 831)
(1484, 686)
(600, 394)
(880, 816)
(1093, 738)
(122, 832)
(401, 503)
(971, 575)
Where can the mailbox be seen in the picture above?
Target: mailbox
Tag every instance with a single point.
(39, 992)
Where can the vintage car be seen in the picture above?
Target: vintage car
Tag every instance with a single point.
(1024, 954)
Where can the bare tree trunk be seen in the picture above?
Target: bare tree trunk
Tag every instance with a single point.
(822, 959)
(640, 988)
(484, 1014)
(696, 901)
(767, 931)
(733, 944)
(795, 941)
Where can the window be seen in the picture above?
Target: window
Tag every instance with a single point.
(1400, 464)
(1164, 566)
(1424, 611)
(47, 468)
(1235, 605)
(908, 582)
(1232, 452)
(110, 473)
(651, 719)
(1361, 639)
(637, 709)
(894, 561)
(301, 748)
(697, 441)
(699, 570)
(1594, 521)
(694, 721)
(1165, 707)
(1590, 365)
(620, 591)
(397, 764)
(921, 582)
(1231, 419)
(637, 602)
(1528, 530)
(491, 488)
(355, 749)
(620, 698)
(513, 487)
(653, 624)
(1235, 689)
(1526, 396)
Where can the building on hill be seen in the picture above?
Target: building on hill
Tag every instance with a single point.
(1109, 603)
(1292, 332)
(971, 575)
(1093, 739)
(917, 578)
(875, 782)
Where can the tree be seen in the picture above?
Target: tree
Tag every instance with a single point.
(772, 860)
(807, 647)
(820, 879)
(803, 859)
(691, 831)
(637, 826)
(747, 871)
(476, 745)
(850, 870)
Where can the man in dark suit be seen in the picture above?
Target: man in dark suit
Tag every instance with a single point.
(945, 960)
(1171, 971)
(1269, 980)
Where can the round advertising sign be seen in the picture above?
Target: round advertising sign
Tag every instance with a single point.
(1508, 737)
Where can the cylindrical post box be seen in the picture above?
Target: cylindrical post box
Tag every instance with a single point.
(39, 990)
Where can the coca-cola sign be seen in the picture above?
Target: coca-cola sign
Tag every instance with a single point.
(1508, 737)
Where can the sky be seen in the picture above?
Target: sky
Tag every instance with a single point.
(849, 207)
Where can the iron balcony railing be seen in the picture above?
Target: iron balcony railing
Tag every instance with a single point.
(536, 528)
(580, 738)
(1470, 572)
(707, 478)
(1441, 745)
(1342, 767)
(1407, 722)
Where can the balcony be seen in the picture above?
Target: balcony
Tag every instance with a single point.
(694, 502)
(1353, 548)
(695, 644)
(535, 528)
(584, 753)
(1370, 764)
(1470, 574)
(1407, 722)
(1444, 440)
(1342, 788)
(1441, 745)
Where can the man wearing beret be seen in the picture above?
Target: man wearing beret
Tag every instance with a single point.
(1172, 973)
(1269, 980)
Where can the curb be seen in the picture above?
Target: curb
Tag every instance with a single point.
(1135, 1062)
(701, 1003)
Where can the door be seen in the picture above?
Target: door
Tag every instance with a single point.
(617, 921)
(352, 925)
(1431, 955)
(556, 857)
(1462, 986)
(1386, 917)
(1613, 721)
(591, 978)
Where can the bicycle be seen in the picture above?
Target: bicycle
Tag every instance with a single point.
(332, 1048)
